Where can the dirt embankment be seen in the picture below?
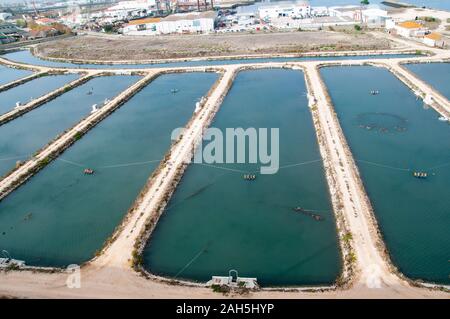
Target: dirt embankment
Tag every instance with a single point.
(112, 48)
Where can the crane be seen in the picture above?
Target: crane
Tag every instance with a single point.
(34, 7)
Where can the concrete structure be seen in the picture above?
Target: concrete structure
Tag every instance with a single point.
(45, 21)
(433, 39)
(320, 11)
(409, 29)
(374, 17)
(300, 9)
(195, 22)
(351, 12)
(5, 15)
(127, 9)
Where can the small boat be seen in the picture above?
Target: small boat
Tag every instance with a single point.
(88, 171)
(173, 91)
(249, 177)
(420, 174)
(374, 92)
(90, 91)
(443, 119)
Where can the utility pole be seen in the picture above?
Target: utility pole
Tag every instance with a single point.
(34, 7)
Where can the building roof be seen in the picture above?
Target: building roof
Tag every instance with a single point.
(191, 16)
(434, 36)
(8, 28)
(346, 8)
(144, 21)
(410, 25)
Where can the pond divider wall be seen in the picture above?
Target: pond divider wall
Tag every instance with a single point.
(54, 148)
(21, 81)
(19, 111)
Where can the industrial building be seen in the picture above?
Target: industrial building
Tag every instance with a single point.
(300, 9)
(193, 22)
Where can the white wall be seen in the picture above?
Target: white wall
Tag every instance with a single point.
(166, 27)
(275, 11)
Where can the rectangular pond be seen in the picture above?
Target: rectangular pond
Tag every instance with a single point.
(28, 58)
(10, 74)
(436, 74)
(62, 216)
(22, 137)
(217, 221)
(31, 90)
(392, 135)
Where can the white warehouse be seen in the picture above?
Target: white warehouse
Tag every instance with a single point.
(300, 9)
(194, 22)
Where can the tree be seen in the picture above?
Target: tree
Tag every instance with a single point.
(21, 23)
(365, 2)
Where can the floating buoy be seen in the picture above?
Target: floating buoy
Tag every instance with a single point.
(420, 174)
(249, 177)
(88, 171)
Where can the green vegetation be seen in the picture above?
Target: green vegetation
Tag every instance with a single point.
(351, 257)
(221, 289)
(430, 22)
(108, 28)
(21, 23)
(138, 260)
(365, 2)
(77, 136)
(429, 19)
(347, 237)
(357, 27)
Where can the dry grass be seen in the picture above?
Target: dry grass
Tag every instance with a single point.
(183, 46)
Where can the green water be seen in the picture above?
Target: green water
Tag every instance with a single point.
(413, 214)
(22, 137)
(62, 216)
(217, 221)
(31, 90)
(436, 74)
(10, 74)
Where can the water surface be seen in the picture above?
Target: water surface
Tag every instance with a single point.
(22, 137)
(436, 74)
(26, 57)
(392, 135)
(10, 74)
(62, 216)
(31, 90)
(217, 221)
